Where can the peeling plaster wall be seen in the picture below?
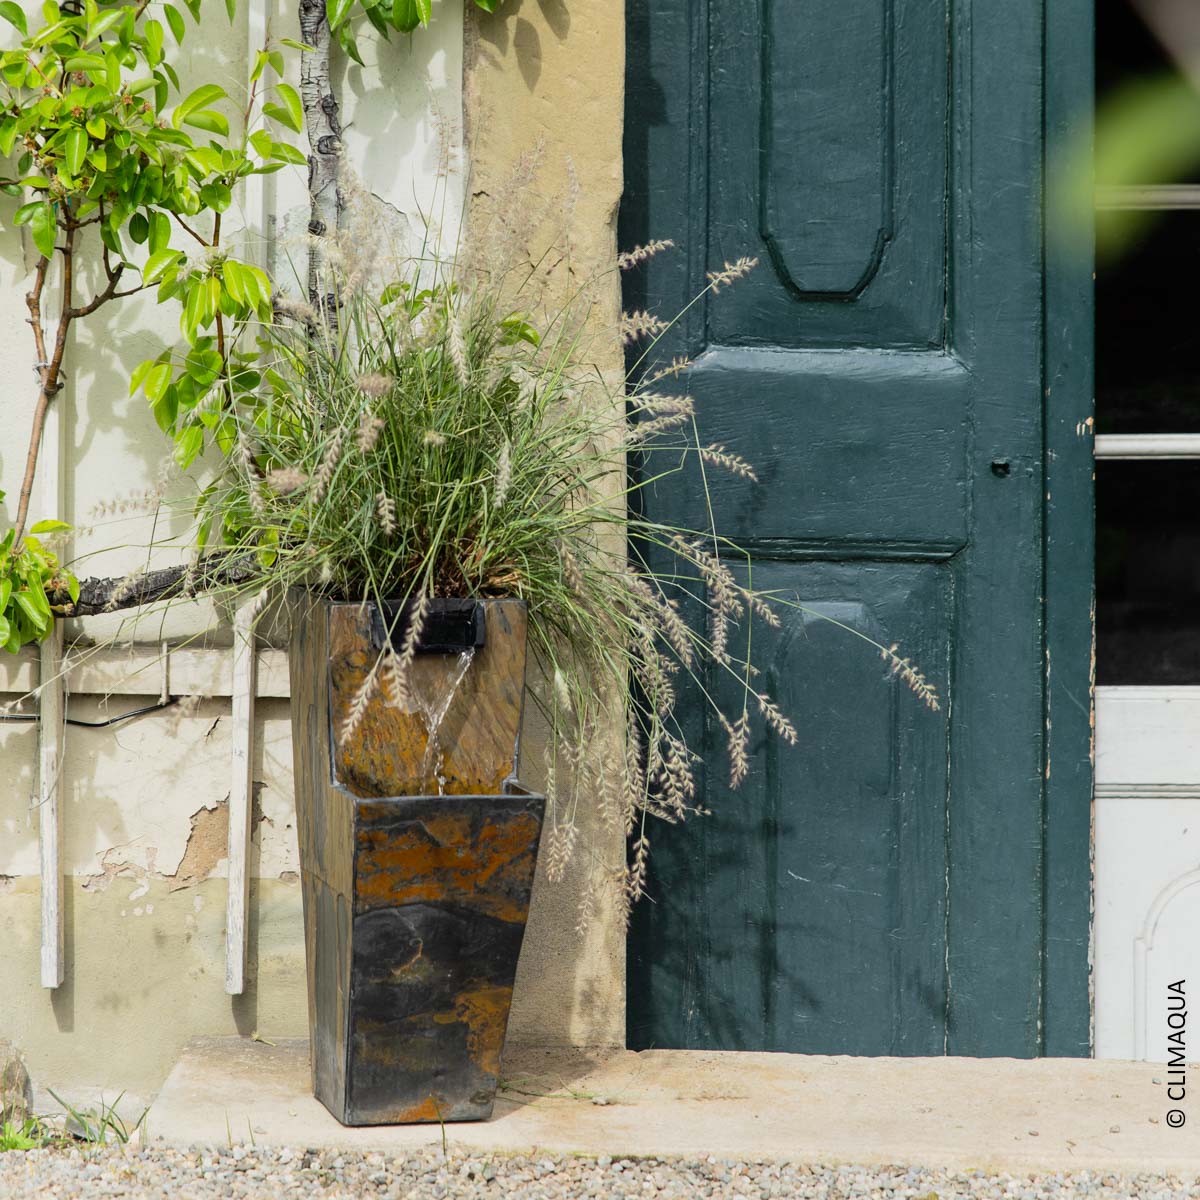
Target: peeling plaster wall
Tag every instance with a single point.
(144, 803)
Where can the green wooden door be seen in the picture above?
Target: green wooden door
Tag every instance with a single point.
(904, 881)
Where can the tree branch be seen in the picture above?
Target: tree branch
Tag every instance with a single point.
(211, 573)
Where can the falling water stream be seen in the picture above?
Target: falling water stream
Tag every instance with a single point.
(434, 711)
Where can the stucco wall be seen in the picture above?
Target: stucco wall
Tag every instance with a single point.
(144, 816)
(545, 79)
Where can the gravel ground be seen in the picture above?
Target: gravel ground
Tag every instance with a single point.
(199, 1174)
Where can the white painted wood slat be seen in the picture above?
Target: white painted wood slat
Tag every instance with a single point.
(241, 799)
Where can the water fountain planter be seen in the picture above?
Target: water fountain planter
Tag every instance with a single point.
(416, 859)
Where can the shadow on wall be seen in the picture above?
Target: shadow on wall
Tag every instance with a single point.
(506, 28)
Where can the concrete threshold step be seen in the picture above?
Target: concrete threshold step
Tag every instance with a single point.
(1003, 1114)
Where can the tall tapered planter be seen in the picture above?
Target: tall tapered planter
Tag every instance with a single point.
(416, 860)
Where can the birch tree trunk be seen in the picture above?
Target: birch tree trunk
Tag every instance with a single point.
(324, 131)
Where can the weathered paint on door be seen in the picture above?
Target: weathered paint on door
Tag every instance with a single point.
(882, 888)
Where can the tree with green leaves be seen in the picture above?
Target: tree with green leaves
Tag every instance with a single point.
(124, 179)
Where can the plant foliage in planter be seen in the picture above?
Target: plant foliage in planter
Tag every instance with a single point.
(437, 440)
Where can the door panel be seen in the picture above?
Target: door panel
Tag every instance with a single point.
(827, 129)
(880, 887)
(823, 855)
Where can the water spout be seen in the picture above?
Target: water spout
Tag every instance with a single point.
(434, 711)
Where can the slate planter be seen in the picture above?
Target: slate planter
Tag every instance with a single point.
(416, 867)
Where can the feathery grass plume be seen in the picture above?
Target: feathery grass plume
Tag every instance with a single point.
(360, 702)
(664, 616)
(374, 384)
(562, 690)
(585, 910)
(503, 476)
(283, 481)
(640, 254)
(323, 475)
(393, 682)
(718, 456)
(385, 507)
(142, 501)
(912, 677)
(776, 720)
(738, 734)
(125, 588)
(635, 880)
(417, 613)
(636, 325)
(433, 438)
(296, 310)
(560, 849)
(369, 428)
(457, 345)
(731, 272)
(253, 483)
(673, 370)
(572, 574)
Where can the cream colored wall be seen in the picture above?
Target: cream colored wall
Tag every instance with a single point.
(144, 816)
(546, 77)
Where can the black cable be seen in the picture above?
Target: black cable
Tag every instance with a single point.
(137, 712)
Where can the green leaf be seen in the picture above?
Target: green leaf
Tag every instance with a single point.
(158, 263)
(104, 23)
(188, 445)
(154, 42)
(290, 112)
(41, 226)
(284, 153)
(200, 98)
(29, 606)
(209, 120)
(14, 15)
(406, 15)
(49, 527)
(85, 62)
(160, 232)
(215, 196)
(175, 20)
(347, 41)
(336, 12)
(154, 384)
(97, 127)
(234, 279)
(487, 5)
(262, 142)
(291, 44)
(75, 149)
(231, 9)
(166, 409)
(139, 228)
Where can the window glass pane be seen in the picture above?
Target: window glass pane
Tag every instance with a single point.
(1147, 345)
(1148, 572)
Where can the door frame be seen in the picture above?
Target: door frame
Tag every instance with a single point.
(1068, 1018)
